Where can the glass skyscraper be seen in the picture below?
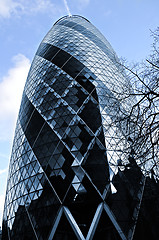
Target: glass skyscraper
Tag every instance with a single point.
(65, 180)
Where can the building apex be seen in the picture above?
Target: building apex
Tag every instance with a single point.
(71, 16)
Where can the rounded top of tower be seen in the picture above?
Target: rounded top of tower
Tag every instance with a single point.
(85, 27)
(70, 17)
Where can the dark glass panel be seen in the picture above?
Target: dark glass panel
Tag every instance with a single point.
(90, 114)
(105, 229)
(85, 83)
(47, 51)
(64, 230)
(97, 167)
(43, 211)
(22, 228)
(41, 137)
(83, 204)
(60, 58)
(5, 232)
(72, 66)
(61, 84)
(125, 200)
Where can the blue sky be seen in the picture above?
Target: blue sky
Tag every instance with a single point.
(23, 23)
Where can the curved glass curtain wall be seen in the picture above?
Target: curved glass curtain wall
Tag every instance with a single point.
(65, 150)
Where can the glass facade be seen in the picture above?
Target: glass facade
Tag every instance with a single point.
(64, 178)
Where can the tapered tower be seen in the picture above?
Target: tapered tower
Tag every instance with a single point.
(64, 177)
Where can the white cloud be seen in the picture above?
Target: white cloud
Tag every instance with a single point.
(8, 7)
(11, 87)
(19, 7)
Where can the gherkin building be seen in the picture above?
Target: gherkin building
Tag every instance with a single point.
(65, 179)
